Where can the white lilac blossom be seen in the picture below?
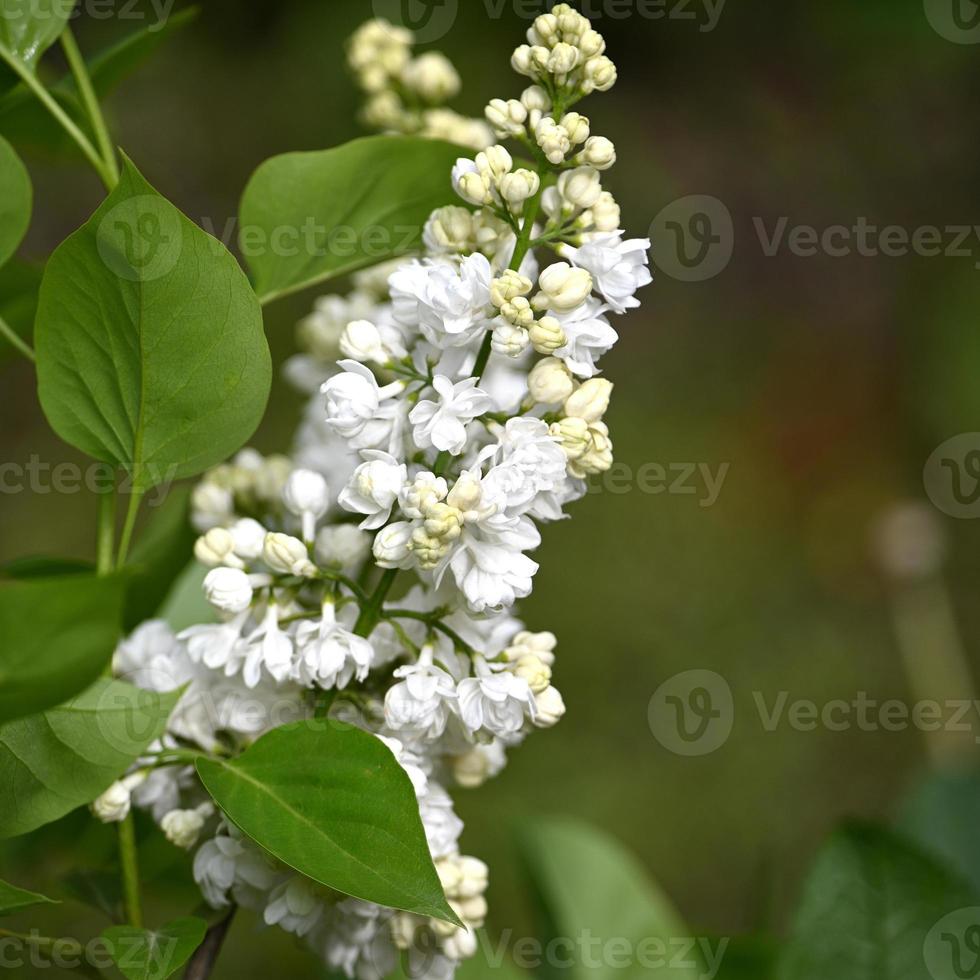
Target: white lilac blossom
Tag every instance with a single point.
(456, 404)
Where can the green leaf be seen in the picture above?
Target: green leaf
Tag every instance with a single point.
(14, 899)
(150, 349)
(307, 217)
(52, 763)
(872, 909)
(185, 605)
(942, 814)
(587, 883)
(331, 801)
(154, 954)
(16, 200)
(158, 558)
(58, 635)
(99, 890)
(41, 566)
(29, 27)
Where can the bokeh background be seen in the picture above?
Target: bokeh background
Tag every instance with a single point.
(824, 383)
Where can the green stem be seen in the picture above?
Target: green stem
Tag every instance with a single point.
(91, 102)
(7, 331)
(433, 623)
(106, 531)
(64, 120)
(132, 511)
(371, 610)
(130, 873)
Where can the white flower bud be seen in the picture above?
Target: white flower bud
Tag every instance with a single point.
(432, 76)
(474, 876)
(535, 671)
(287, 555)
(183, 827)
(466, 493)
(544, 30)
(470, 184)
(563, 288)
(535, 99)
(449, 229)
(605, 213)
(494, 162)
(580, 187)
(113, 805)
(506, 117)
(509, 340)
(563, 58)
(362, 342)
(599, 152)
(217, 547)
(547, 335)
(392, 546)
(518, 312)
(228, 590)
(573, 436)
(344, 545)
(508, 286)
(598, 455)
(211, 505)
(519, 186)
(522, 62)
(249, 537)
(549, 708)
(577, 127)
(541, 645)
(306, 492)
(553, 140)
(591, 44)
(599, 75)
(590, 401)
(550, 381)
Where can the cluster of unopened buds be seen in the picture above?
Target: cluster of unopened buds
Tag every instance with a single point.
(455, 405)
(406, 93)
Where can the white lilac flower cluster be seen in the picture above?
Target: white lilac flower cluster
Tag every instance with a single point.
(464, 410)
(407, 94)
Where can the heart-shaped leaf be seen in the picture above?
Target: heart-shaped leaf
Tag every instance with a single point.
(14, 899)
(58, 634)
(331, 801)
(29, 27)
(54, 762)
(154, 954)
(306, 217)
(150, 348)
(16, 197)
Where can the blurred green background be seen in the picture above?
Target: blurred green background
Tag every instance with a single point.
(824, 382)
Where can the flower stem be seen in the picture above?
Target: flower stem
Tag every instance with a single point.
(135, 499)
(91, 102)
(130, 873)
(106, 531)
(64, 120)
(21, 346)
(371, 610)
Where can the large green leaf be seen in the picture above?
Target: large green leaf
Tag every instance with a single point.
(331, 801)
(16, 196)
(942, 813)
(585, 883)
(159, 557)
(185, 605)
(58, 635)
(14, 899)
(872, 909)
(62, 759)
(154, 954)
(306, 217)
(150, 349)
